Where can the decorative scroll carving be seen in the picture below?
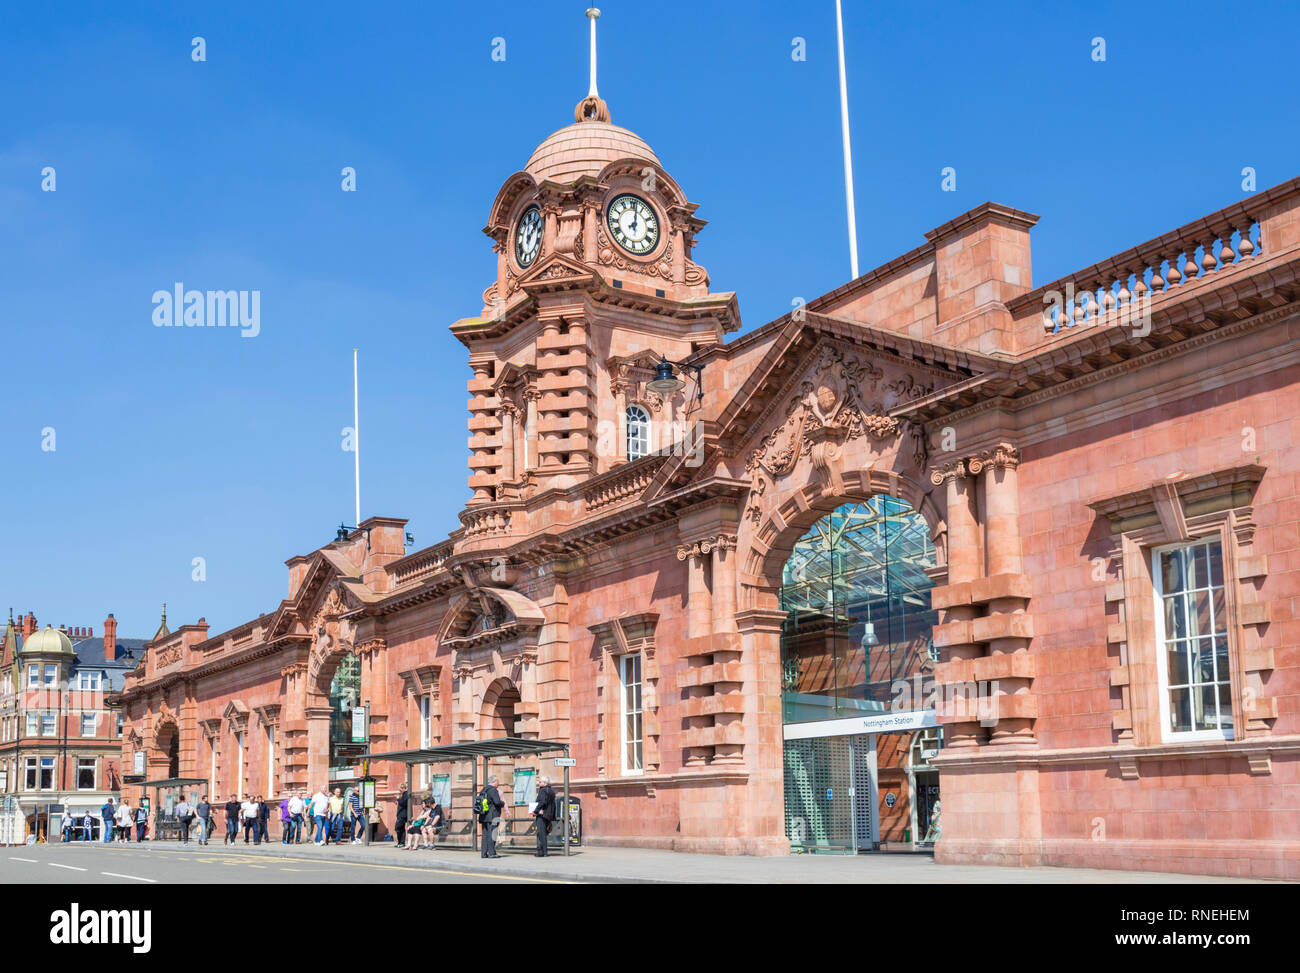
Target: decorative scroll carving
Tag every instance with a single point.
(946, 471)
(705, 546)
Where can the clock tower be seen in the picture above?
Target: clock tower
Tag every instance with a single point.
(594, 286)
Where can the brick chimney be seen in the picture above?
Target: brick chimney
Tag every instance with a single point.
(110, 638)
(29, 626)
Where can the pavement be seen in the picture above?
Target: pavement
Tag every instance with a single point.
(172, 862)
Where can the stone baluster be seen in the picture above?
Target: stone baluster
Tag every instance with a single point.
(1244, 246)
(1226, 256)
(1175, 275)
(1208, 263)
(1157, 280)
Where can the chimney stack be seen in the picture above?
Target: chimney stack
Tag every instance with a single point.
(29, 626)
(110, 638)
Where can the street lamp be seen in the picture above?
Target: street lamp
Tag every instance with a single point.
(666, 382)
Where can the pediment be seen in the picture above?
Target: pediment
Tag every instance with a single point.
(823, 378)
(556, 272)
(331, 587)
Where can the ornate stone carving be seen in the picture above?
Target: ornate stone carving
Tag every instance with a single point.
(830, 398)
(705, 546)
(167, 656)
(1003, 456)
(947, 471)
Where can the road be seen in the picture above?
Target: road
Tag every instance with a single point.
(98, 864)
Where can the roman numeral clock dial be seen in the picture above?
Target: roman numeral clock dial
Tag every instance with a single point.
(632, 223)
(528, 236)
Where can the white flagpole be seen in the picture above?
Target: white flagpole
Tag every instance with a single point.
(848, 156)
(592, 15)
(356, 434)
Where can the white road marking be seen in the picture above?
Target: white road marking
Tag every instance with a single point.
(134, 878)
(72, 868)
(13, 859)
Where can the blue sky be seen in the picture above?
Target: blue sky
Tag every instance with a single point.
(172, 444)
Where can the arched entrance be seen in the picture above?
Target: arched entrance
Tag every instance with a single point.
(856, 660)
(344, 697)
(169, 748)
(500, 716)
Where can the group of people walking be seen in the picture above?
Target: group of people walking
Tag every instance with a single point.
(324, 818)
(116, 821)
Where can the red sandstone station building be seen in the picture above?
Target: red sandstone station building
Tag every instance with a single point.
(939, 559)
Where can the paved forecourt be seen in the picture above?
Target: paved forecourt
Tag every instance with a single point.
(273, 862)
(81, 863)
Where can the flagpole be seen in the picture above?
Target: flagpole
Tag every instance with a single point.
(356, 434)
(848, 156)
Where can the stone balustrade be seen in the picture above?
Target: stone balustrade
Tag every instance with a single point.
(1118, 291)
(422, 564)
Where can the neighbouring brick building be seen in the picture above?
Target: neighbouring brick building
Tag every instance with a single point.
(60, 737)
(938, 538)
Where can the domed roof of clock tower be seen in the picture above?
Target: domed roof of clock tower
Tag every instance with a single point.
(584, 149)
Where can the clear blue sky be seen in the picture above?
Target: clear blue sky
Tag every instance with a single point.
(173, 444)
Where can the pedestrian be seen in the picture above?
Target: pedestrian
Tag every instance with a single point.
(489, 807)
(232, 819)
(248, 812)
(87, 827)
(309, 818)
(414, 829)
(336, 815)
(358, 821)
(122, 821)
(376, 818)
(263, 816)
(286, 823)
(544, 814)
(66, 824)
(296, 807)
(106, 813)
(436, 817)
(184, 815)
(403, 812)
(141, 822)
(320, 809)
(204, 811)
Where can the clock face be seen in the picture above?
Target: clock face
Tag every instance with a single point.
(528, 236)
(632, 223)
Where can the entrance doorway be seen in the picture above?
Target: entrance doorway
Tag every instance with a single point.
(830, 794)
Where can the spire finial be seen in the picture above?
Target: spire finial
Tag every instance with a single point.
(592, 108)
(164, 618)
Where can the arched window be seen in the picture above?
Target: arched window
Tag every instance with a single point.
(638, 432)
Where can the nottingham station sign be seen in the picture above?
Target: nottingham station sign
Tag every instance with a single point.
(917, 719)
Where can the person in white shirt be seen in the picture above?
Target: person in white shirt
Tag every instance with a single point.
(296, 806)
(66, 825)
(320, 810)
(248, 814)
(123, 818)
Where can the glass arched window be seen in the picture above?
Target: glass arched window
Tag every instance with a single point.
(345, 693)
(858, 632)
(638, 432)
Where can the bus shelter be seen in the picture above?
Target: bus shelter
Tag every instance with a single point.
(476, 752)
(165, 794)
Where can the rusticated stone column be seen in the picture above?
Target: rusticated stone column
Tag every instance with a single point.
(699, 618)
(958, 709)
(729, 706)
(507, 416)
(1008, 672)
